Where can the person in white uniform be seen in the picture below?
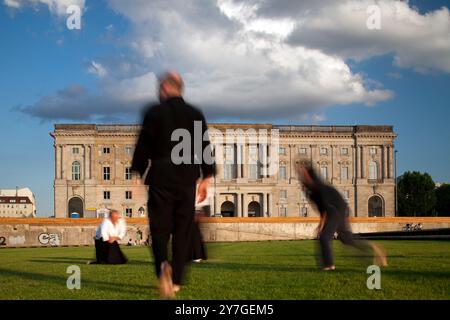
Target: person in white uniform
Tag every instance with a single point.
(109, 232)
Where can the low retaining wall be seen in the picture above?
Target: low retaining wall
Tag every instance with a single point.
(41, 232)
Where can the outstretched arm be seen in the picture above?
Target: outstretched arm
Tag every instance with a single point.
(323, 220)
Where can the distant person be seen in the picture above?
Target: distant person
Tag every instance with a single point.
(333, 211)
(202, 209)
(110, 231)
(172, 184)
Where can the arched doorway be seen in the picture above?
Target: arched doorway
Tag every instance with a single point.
(254, 209)
(76, 206)
(227, 209)
(376, 206)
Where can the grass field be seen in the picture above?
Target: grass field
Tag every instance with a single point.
(260, 270)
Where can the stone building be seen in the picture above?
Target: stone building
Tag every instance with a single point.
(17, 203)
(92, 169)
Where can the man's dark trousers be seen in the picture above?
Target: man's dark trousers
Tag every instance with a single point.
(171, 210)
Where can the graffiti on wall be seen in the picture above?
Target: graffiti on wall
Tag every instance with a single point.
(49, 239)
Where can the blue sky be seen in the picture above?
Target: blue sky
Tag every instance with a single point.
(44, 66)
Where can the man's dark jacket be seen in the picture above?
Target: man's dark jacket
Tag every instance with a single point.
(155, 144)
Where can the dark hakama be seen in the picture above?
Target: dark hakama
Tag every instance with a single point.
(109, 253)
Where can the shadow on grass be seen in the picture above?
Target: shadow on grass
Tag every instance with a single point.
(70, 260)
(61, 280)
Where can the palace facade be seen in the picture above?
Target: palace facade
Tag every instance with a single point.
(92, 169)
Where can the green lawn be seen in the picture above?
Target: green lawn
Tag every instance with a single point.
(260, 270)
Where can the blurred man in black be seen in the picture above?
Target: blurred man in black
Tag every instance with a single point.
(172, 185)
(333, 211)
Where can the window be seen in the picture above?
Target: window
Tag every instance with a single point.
(302, 150)
(302, 195)
(283, 212)
(281, 150)
(129, 150)
(344, 151)
(344, 173)
(129, 212)
(76, 170)
(282, 173)
(304, 212)
(324, 172)
(228, 166)
(373, 150)
(128, 173)
(128, 195)
(106, 195)
(106, 173)
(283, 194)
(346, 195)
(106, 150)
(75, 150)
(253, 162)
(373, 170)
(323, 151)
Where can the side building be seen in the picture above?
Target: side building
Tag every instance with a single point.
(17, 203)
(92, 169)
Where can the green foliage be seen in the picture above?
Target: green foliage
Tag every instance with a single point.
(443, 200)
(416, 194)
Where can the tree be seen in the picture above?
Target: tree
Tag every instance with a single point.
(443, 200)
(416, 194)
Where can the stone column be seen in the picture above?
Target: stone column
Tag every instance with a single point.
(264, 160)
(244, 161)
(63, 174)
(92, 166)
(385, 161)
(391, 161)
(264, 208)
(239, 160)
(85, 164)
(57, 162)
(215, 205)
(269, 204)
(363, 167)
(333, 149)
(244, 205)
(238, 205)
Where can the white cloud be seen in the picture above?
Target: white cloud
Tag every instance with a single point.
(57, 7)
(97, 69)
(417, 41)
(263, 59)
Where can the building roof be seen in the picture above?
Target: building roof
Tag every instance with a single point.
(283, 128)
(15, 200)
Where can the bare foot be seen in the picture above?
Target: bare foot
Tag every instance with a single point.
(176, 288)
(333, 267)
(166, 289)
(379, 258)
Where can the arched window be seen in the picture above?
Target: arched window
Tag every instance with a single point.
(76, 170)
(373, 170)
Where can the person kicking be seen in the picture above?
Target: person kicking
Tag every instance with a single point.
(333, 211)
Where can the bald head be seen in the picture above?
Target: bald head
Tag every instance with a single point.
(170, 85)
